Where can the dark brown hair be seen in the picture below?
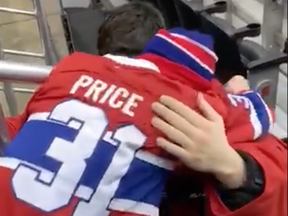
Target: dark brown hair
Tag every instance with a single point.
(128, 28)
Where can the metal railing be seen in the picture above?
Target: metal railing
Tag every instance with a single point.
(12, 72)
(43, 28)
(49, 52)
(271, 16)
(18, 72)
(24, 73)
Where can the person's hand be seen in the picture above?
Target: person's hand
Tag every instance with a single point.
(237, 84)
(199, 141)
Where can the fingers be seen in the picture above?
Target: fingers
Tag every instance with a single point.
(173, 149)
(173, 118)
(237, 84)
(207, 110)
(172, 133)
(184, 111)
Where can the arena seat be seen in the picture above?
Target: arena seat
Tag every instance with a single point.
(194, 17)
(169, 12)
(81, 28)
(153, 2)
(264, 76)
(263, 67)
(226, 48)
(187, 19)
(167, 8)
(236, 55)
(189, 15)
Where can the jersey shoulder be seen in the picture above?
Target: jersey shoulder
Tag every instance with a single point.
(121, 69)
(137, 76)
(76, 61)
(146, 76)
(63, 75)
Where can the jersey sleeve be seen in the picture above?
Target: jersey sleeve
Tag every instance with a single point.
(271, 155)
(249, 113)
(14, 124)
(72, 62)
(264, 114)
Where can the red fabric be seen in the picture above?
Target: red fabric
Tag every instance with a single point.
(138, 80)
(238, 119)
(267, 151)
(270, 110)
(271, 154)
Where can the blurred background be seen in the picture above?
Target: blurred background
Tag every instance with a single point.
(20, 32)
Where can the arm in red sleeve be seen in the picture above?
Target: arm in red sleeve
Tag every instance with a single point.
(14, 124)
(271, 154)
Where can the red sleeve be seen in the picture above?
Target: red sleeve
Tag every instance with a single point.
(271, 154)
(14, 124)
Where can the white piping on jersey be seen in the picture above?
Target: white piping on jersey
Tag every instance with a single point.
(135, 207)
(144, 155)
(85, 192)
(254, 120)
(141, 63)
(116, 204)
(271, 120)
(269, 113)
(154, 159)
(141, 154)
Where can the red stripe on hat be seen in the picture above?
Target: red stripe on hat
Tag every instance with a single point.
(204, 57)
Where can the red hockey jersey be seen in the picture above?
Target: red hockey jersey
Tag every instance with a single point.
(246, 118)
(86, 146)
(34, 165)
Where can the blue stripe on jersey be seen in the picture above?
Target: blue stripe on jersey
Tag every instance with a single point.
(261, 109)
(143, 182)
(28, 145)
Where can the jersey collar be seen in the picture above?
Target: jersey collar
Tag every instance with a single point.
(141, 63)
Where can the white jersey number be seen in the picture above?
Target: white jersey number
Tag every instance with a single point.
(82, 128)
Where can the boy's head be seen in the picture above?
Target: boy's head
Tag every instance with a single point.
(128, 28)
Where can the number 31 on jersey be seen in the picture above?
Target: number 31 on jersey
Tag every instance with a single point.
(62, 155)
